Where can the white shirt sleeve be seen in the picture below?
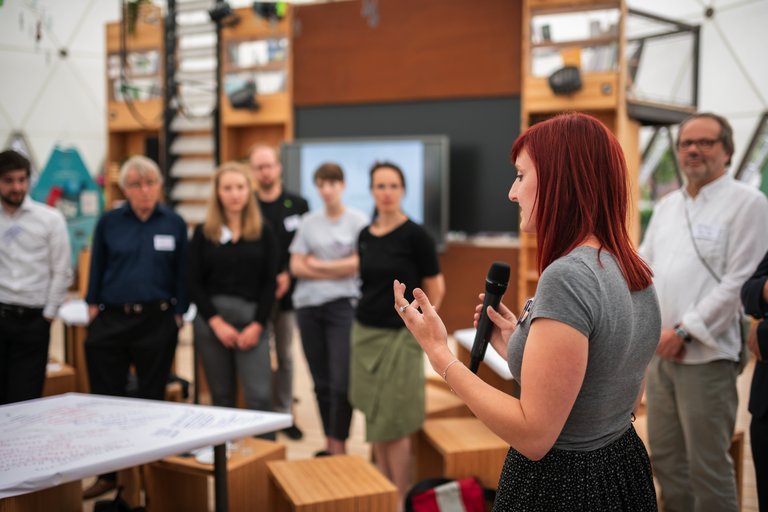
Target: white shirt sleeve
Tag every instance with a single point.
(60, 266)
(747, 245)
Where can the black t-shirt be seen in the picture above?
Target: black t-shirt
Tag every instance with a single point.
(244, 269)
(407, 254)
(284, 215)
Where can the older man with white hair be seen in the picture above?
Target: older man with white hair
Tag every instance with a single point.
(136, 292)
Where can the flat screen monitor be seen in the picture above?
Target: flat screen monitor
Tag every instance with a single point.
(424, 161)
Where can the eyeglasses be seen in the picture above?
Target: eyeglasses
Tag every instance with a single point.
(140, 184)
(700, 143)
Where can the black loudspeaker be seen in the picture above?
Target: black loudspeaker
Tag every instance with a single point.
(272, 11)
(565, 80)
(245, 97)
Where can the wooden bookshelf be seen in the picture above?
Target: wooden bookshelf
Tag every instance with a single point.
(134, 107)
(259, 50)
(603, 93)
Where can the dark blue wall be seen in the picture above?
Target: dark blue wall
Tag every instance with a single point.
(481, 132)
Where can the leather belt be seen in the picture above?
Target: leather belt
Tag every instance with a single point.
(16, 311)
(138, 308)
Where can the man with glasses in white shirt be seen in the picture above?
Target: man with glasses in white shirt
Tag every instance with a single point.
(35, 272)
(703, 242)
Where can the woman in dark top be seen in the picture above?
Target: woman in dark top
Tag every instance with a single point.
(387, 370)
(232, 265)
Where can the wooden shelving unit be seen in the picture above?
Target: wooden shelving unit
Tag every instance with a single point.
(259, 50)
(603, 93)
(134, 107)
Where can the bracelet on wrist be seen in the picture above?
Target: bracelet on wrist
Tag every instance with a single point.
(445, 372)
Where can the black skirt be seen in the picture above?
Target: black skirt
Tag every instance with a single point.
(615, 477)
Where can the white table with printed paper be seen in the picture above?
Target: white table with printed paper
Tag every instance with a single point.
(59, 439)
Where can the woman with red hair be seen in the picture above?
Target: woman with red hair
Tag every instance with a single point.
(579, 351)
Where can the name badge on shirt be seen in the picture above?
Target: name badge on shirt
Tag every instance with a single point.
(11, 234)
(165, 243)
(292, 222)
(706, 232)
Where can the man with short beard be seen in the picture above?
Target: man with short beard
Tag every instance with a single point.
(283, 211)
(35, 272)
(702, 243)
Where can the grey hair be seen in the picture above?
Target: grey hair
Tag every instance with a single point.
(144, 167)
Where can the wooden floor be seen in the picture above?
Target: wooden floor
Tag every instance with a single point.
(308, 419)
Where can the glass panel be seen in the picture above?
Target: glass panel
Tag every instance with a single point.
(141, 80)
(574, 26)
(258, 53)
(546, 60)
(660, 61)
(267, 82)
(586, 39)
(658, 173)
(755, 166)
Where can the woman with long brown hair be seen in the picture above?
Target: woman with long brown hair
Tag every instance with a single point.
(232, 269)
(580, 352)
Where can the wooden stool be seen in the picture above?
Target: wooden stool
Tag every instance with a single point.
(65, 498)
(181, 483)
(59, 379)
(342, 483)
(459, 448)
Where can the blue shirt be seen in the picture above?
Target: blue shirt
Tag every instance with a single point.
(135, 261)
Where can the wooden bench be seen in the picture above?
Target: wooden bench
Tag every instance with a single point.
(181, 483)
(341, 483)
(459, 448)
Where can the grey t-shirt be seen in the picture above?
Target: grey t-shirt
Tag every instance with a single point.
(622, 329)
(327, 239)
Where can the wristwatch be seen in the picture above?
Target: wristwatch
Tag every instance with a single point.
(682, 333)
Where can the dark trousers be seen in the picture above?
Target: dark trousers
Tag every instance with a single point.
(325, 336)
(117, 340)
(23, 356)
(758, 431)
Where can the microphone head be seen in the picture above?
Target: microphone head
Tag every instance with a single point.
(498, 278)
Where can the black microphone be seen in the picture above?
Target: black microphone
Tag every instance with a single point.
(495, 286)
